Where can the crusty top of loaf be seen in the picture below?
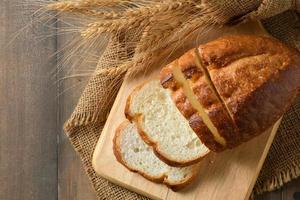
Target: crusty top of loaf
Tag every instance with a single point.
(240, 64)
(222, 51)
(188, 67)
(205, 96)
(257, 78)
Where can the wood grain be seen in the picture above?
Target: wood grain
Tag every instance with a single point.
(28, 122)
(30, 157)
(228, 175)
(73, 182)
(276, 195)
(289, 190)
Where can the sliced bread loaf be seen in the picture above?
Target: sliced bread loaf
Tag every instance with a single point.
(162, 125)
(197, 101)
(254, 78)
(131, 151)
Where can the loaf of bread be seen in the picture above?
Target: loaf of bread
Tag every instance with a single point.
(162, 126)
(214, 97)
(243, 84)
(131, 151)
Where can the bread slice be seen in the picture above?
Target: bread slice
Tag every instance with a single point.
(208, 80)
(131, 151)
(162, 126)
(201, 111)
(197, 101)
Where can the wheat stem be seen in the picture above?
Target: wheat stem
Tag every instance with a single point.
(97, 8)
(148, 27)
(133, 18)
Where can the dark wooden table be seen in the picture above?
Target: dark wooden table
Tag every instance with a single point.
(36, 159)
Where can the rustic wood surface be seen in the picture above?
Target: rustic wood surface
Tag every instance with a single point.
(36, 159)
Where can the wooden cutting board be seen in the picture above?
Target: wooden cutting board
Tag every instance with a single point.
(228, 175)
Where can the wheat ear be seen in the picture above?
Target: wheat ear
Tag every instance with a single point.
(98, 8)
(132, 18)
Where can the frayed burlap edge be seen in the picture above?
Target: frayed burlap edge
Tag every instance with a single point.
(278, 180)
(80, 119)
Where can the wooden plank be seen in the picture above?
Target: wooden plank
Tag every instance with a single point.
(275, 195)
(231, 174)
(73, 182)
(28, 122)
(217, 179)
(291, 190)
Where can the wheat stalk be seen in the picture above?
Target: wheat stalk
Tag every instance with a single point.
(113, 3)
(153, 25)
(113, 26)
(85, 4)
(114, 70)
(89, 7)
(163, 7)
(161, 36)
(143, 59)
(160, 31)
(139, 32)
(75, 7)
(157, 34)
(98, 8)
(136, 17)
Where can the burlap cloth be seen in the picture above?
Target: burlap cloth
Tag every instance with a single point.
(280, 18)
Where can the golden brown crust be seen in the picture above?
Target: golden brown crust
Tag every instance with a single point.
(188, 67)
(188, 180)
(117, 153)
(127, 112)
(166, 77)
(208, 100)
(162, 178)
(218, 115)
(257, 77)
(216, 112)
(222, 51)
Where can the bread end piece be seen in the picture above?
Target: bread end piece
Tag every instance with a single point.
(173, 177)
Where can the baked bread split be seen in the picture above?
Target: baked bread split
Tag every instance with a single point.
(162, 126)
(197, 101)
(131, 151)
(246, 85)
(258, 78)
